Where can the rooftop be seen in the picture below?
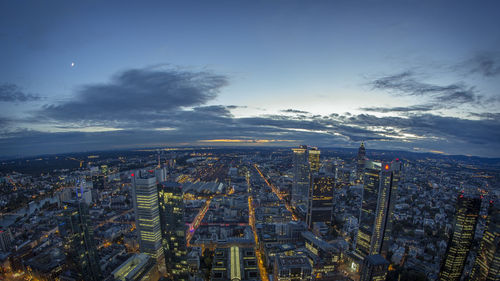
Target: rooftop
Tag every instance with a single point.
(376, 260)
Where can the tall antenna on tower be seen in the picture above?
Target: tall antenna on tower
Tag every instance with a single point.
(159, 163)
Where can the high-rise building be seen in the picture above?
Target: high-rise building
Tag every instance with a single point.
(139, 267)
(300, 185)
(5, 240)
(389, 184)
(379, 196)
(305, 162)
(320, 206)
(81, 252)
(360, 162)
(161, 174)
(368, 209)
(460, 242)
(173, 229)
(374, 268)
(314, 162)
(147, 217)
(487, 264)
(99, 181)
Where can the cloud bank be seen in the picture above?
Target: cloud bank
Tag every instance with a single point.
(151, 107)
(435, 96)
(12, 93)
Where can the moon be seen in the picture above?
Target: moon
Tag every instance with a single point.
(72, 64)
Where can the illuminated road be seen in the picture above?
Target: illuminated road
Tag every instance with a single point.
(258, 253)
(275, 190)
(197, 220)
(183, 178)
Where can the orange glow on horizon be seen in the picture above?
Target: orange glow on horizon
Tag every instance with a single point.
(437, 151)
(245, 141)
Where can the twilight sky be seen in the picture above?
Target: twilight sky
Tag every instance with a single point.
(412, 75)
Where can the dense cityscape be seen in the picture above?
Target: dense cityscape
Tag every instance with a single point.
(273, 140)
(250, 214)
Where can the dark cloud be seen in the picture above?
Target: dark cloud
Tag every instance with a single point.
(294, 111)
(12, 93)
(486, 115)
(235, 106)
(427, 131)
(169, 107)
(487, 64)
(191, 127)
(137, 94)
(4, 123)
(215, 110)
(432, 127)
(423, 107)
(438, 97)
(457, 97)
(405, 83)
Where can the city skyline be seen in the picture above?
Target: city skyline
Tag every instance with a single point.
(222, 214)
(416, 76)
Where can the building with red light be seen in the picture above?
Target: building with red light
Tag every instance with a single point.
(379, 196)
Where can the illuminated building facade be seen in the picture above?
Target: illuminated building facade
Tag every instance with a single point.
(374, 268)
(292, 268)
(320, 205)
(460, 243)
(234, 263)
(381, 182)
(147, 216)
(300, 184)
(305, 162)
(139, 267)
(389, 184)
(360, 162)
(487, 264)
(368, 209)
(99, 181)
(173, 229)
(314, 162)
(79, 243)
(324, 256)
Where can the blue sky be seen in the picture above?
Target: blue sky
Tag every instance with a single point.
(413, 75)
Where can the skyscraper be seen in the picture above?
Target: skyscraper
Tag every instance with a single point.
(5, 240)
(147, 216)
(487, 264)
(161, 174)
(466, 214)
(374, 268)
(320, 206)
(79, 243)
(360, 162)
(390, 177)
(173, 229)
(379, 196)
(368, 209)
(314, 162)
(300, 185)
(305, 162)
